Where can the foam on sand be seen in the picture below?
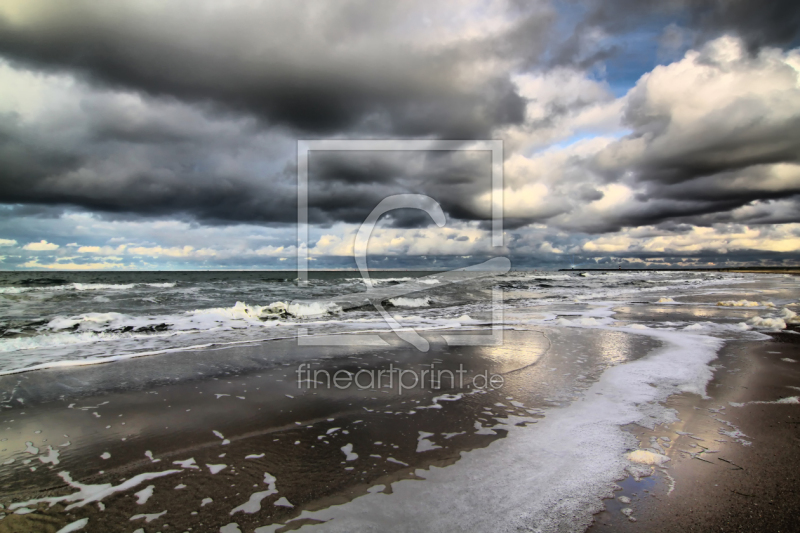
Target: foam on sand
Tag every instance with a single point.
(791, 400)
(737, 303)
(283, 502)
(51, 457)
(186, 463)
(143, 495)
(571, 460)
(253, 505)
(347, 450)
(644, 457)
(444, 397)
(216, 469)
(666, 300)
(74, 526)
(92, 493)
(423, 444)
(255, 456)
(148, 517)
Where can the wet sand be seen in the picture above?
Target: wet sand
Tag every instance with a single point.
(732, 468)
(226, 424)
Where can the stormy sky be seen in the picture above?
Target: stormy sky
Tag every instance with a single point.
(163, 135)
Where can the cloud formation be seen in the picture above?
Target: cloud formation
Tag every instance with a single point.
(630, 130)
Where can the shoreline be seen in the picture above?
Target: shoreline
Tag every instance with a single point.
(239, 423)
(731, 466)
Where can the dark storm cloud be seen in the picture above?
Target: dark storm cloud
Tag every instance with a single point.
(222, 94)
(758, 23)
(348, 186)
(295, 70)
(750, 139)
(744, 186)
(169, 174)
(320, 68)
(773, 23)
(650, 211)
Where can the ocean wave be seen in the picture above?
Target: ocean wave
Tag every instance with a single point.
(237, 316)
(84, 287)
(397, 281)
(771, 323)
(57, 340)
(410, 302)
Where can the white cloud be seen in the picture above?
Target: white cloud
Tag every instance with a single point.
(718, 108)
(721, 239)
(41, 246)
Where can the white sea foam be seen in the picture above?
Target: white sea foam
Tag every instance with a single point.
(791, 400)
(143, 495)
(216, 469)
(74, 526)
(312, 309)
(283, 502)
(424, 444)
(347, 450)
(716, 326)
(645, 457)
(253, 505)
(84, 287)
(789, 316)
(92, 493)
(148, 517)
(410, 302)
(737, 303)
(770, 323)
(51, 457)
(187, 463)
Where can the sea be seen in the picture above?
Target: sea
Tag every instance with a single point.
(50, 319)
